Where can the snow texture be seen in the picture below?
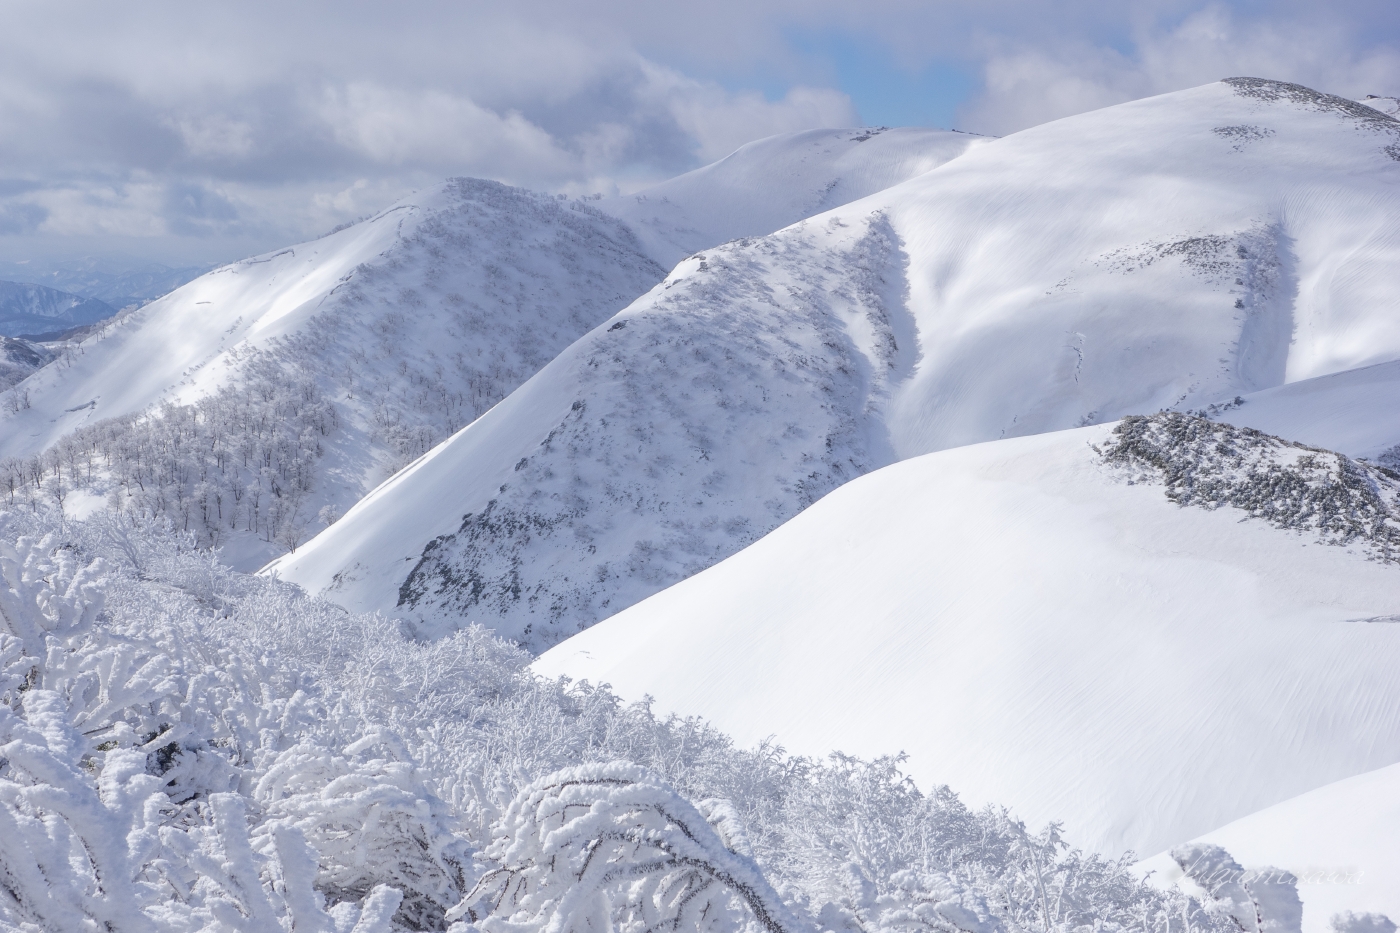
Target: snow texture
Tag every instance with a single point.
(1338, 840)
(1039, 627)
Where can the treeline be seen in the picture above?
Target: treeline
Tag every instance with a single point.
(242, 459)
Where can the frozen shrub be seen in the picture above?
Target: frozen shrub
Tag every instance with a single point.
(184, 747)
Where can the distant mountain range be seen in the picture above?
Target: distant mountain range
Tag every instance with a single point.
(116, 281)
(30, 310)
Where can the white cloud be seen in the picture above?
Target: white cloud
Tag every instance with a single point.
(720, 122)
(251, 125)
(395, 127)
(1026, 84)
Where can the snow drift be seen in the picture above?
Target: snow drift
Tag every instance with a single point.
(1339, 840)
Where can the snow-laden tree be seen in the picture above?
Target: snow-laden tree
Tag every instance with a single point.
(186, 748)
(146, 787)
(1261, 900)
(598, 846)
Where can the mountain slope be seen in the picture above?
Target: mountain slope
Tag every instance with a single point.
(1039, 627)
(1338, 839)
(368, 346)
(734, 393)
(771, 183)
(507, 276)
(1352, 411)
(1169, 253)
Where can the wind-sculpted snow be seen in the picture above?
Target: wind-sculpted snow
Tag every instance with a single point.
(184, 748)
(1034, 624)
(741, 390)
(1169, 253)
(1290, 485)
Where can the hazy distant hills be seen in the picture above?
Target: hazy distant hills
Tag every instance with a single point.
(115, 281)
(36, 309)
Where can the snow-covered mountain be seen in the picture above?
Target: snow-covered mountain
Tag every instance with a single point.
(1037, 623)
(378, 341)
(35, 310)
(420, 283)
(1168, 253)
(773, 182)
(19, 358)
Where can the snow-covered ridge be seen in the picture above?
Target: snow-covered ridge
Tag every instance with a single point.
(1037, 626)
(771, 183)
(408, 325)
(1134, 259)
(739, 391)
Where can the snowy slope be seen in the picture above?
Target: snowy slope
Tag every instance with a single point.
(1037, 628)
(1352, 411)
(471, 266)
(1339, 840)
(741, 389)
(771, 183)
(1172, 252)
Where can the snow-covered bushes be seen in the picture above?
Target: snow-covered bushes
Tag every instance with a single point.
(183, 747)
(240, 460)
(1290, 485)
(155, 773)
(593, 845)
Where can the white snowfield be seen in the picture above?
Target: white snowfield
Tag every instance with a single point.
(1168, 253)
(1340, 841)
(1039, 630)
(1354, 412)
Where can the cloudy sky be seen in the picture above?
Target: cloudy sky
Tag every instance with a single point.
(201, 132)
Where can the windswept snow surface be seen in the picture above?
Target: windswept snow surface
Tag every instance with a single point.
(1169, 253)
(1354, 412)
(1340, 840)
(1040, 629)
(769, 184)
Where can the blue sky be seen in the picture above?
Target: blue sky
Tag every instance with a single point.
(204, 132)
